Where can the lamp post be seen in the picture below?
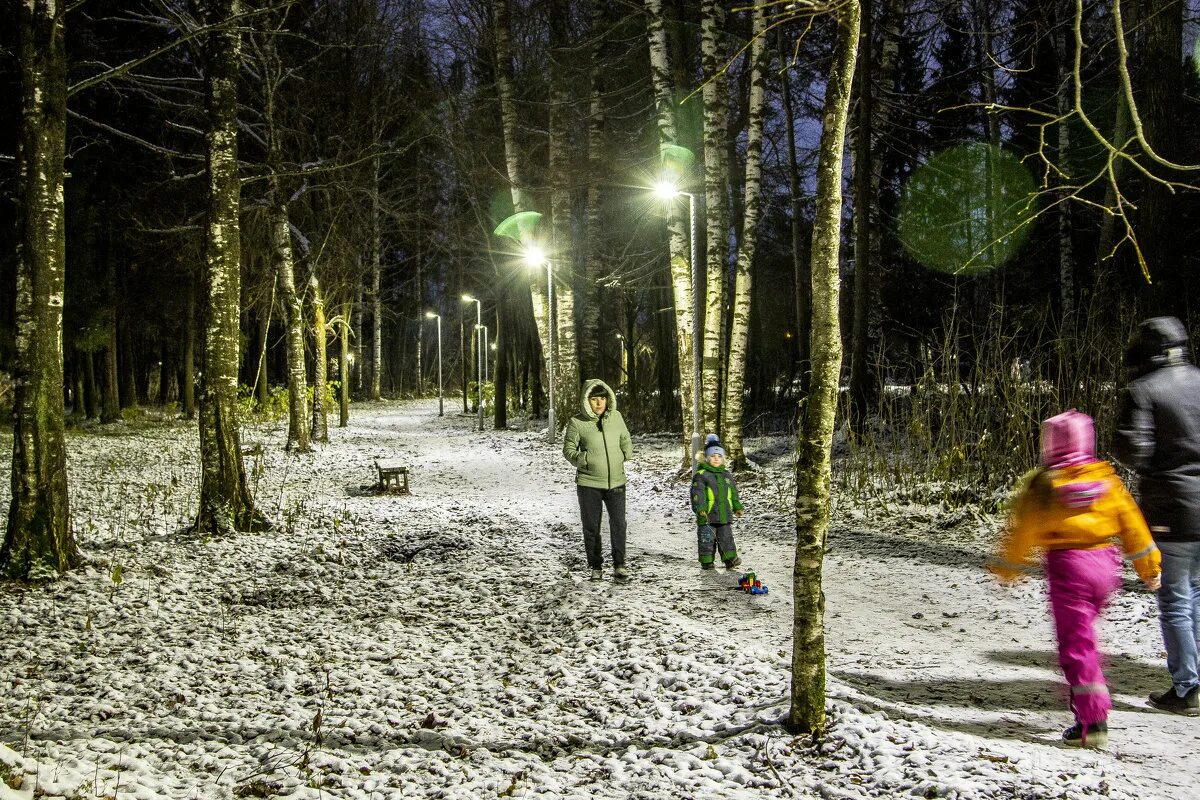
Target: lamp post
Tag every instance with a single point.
(479, 354)
(485, 353)
(669, 191)
(441, 402)
(534, 257)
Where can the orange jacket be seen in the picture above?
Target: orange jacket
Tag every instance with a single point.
(1076, 508)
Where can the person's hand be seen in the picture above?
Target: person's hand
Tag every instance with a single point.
(738, 514)
(1154, 584)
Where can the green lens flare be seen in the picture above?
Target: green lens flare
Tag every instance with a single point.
(967, 210)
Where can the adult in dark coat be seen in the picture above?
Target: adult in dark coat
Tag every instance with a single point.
(1158, 436)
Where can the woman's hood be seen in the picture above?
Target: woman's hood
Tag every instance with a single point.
(587, 389)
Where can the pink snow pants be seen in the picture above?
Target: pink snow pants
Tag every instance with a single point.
(1080, 584)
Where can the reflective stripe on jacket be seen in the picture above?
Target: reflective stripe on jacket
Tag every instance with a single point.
(714, 495)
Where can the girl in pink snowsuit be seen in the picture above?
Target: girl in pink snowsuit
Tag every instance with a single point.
(1073, 507)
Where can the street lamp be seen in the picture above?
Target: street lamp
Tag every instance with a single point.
(667, 190)
(535, 257)
(479, 354)
(438, 317)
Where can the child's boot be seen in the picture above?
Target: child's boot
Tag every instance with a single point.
(1093, 737)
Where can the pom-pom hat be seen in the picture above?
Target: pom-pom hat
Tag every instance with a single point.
(712, 445)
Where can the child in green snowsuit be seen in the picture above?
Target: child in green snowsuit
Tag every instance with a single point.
(715, 501)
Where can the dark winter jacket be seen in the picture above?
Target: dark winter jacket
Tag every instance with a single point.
(714, 495)
(1158, 430)
(598, 446)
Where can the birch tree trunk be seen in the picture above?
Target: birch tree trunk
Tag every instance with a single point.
(589, 331)
(566, 345)
(320, 416)
(682, 288)
(512, 161)
(716, 204)
(814, 448)
(284, 266)
(225, 501)
(38, 543)
(739, 334)
(293, 306)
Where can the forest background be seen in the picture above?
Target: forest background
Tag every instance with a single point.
(241, 181)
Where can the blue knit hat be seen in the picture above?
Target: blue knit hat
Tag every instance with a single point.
(712, 445)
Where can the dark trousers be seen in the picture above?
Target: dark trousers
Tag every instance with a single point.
(592, 503)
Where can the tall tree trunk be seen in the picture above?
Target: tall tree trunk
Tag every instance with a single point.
(344, 367)
(91, 389)
(1066, 256)
(589, 329)
(716, 204)
(225, 501)
(683, 265)
(565, 343)
(262, 384)
(293, 306)
(110, 407)
(320, 415)
(862, 396)
(376, 283)
(282, 257)
(799, 262)
(38, 543)
(500, 420)
(1162, 96)
(356, 362)
(739, 334)
(189, 354)
(815, 445)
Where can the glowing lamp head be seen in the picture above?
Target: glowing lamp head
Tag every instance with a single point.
(430, 315)
(466, 298)
(534, 256)
(666, 190)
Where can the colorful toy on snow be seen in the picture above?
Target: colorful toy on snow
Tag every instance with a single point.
(750, 584)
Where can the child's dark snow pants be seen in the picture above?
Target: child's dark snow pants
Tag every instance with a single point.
(1080, 583)
(712, 539)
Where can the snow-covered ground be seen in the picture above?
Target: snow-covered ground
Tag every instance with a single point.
(445, 644)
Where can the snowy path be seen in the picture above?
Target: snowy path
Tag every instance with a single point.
(446, 645)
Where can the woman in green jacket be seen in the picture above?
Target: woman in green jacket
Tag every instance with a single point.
(597, 443)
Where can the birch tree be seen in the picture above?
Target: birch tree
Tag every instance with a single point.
(873, 119)
(566, 356)
(225, 501)
(38, 542)
(682, 268)
(272, 76)
(815, 441)
(735, 379)
(716, 205)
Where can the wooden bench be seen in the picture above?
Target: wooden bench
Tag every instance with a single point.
(392, 472)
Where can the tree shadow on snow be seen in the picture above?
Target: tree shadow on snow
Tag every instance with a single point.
(872, 543)
(1125, 674)
(1034, 694)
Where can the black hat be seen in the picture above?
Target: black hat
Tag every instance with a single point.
(1156, 342)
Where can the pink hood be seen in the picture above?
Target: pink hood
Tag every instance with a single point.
(1068, 440)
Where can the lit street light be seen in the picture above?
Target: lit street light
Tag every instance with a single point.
(479, 354)
(535, 257)
(438, 317)
(667, 190)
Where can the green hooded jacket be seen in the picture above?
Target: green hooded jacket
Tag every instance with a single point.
(598, 446)
(714, 495)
